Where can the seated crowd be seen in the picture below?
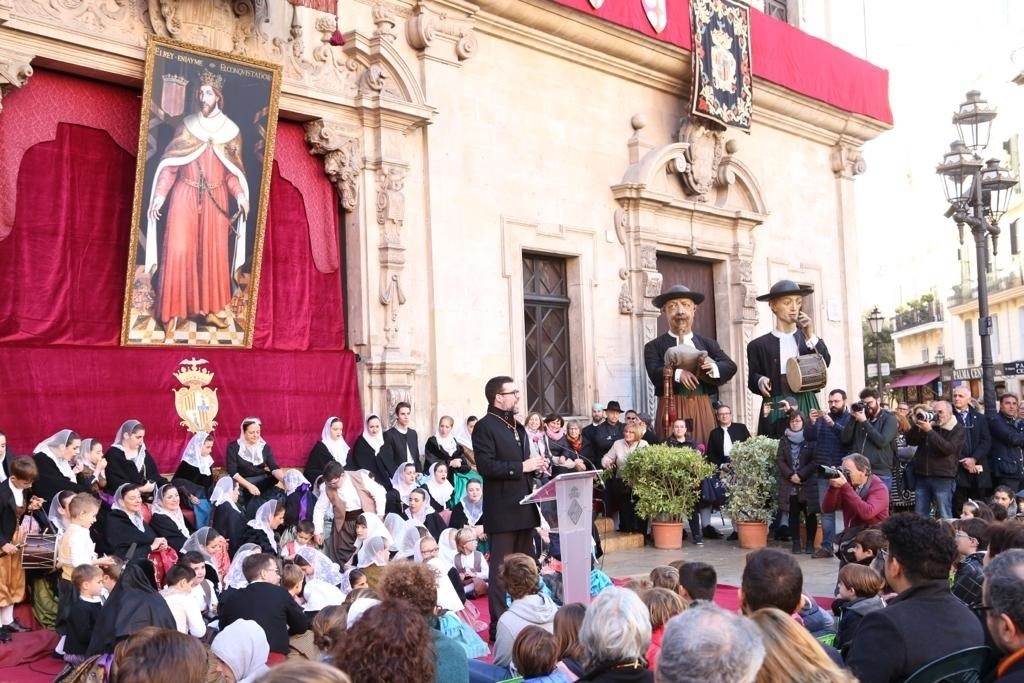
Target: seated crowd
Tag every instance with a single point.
(366, 565)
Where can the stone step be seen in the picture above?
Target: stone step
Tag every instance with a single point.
(615, 540)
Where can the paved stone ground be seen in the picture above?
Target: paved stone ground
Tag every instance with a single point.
(727, 558)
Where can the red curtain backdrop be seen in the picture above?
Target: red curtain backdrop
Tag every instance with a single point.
(780, 53)
(62, 271)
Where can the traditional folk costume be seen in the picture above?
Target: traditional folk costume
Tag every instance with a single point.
(767, 356)
(695, 404)
(13, 504)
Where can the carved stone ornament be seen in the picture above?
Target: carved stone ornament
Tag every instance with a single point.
(649, 257)
(390, 217)
(391, 203)
(384, 20)
(342, 158)
(706, 149)
(847, 161)
(15, 70)
(625, 293)
(426, 25)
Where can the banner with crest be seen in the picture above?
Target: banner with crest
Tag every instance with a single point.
(722, 76)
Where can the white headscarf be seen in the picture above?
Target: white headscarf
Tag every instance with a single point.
(139, 456)
(373, 552)
(251, 454)
(409, 542)
(358, 607)
(375, 527)
(224, 486)
(374, 442)
(320, 594)
(293, 479)
(49, 449)
(134, 517)
(400, 486)
(323, 568)
(243, 647)
(474, 511)
(337, 447)
(447, 598)
(175, 516)
(261, 521)
(421, 516)
(83, 454)
(462, 436)
(235, 577)
(54, 513)
(440, 491)
(396, 527)
(197, 542)
(447, 546)
(193, 454)
(448, 443)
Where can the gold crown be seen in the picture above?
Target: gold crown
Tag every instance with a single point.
(721, 39)
(194, 375)
(210, 78)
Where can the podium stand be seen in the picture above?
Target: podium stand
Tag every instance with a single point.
(573, 494)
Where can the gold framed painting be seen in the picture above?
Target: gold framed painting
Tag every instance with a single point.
(206, 147)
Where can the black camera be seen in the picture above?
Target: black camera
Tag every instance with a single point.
(925, 416)
(857, 407)
(833, 472)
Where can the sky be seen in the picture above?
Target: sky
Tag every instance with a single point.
(935, 52)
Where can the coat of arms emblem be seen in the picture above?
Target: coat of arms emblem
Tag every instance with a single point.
(195, 402)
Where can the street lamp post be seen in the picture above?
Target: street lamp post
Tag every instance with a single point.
(875, 320)
(978, 194)
(940, 360)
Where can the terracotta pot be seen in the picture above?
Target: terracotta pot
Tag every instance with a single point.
(752, 534)
(667, 535)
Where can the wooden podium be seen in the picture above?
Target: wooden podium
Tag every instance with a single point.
(573, 494)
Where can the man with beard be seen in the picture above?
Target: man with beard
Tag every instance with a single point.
(196, 181)
(589, 432)
(767, 355)
(825, 431)
(690, 388)
(872, 433)
(973, 477)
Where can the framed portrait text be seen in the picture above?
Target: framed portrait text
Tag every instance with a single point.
(206, 148)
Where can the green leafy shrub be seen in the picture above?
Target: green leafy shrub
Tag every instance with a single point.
(752, 480)
(666, 481)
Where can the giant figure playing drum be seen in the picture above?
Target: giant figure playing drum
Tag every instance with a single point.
(685, 367)
(790, 354)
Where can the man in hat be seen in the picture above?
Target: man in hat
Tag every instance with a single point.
(767, 355)
(690, 386)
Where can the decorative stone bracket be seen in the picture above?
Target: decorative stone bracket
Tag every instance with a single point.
(390, 218)
(342, 158)
(436, 22)
(847, 161)
(15, 70)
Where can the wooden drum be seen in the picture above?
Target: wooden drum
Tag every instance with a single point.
(39, 552)
(806, 373)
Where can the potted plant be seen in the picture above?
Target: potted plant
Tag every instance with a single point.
(752, 484)
(666, 484)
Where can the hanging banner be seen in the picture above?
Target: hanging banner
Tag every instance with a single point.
(722, 89)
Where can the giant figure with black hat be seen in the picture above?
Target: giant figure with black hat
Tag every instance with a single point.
(699, 365)
(767, 356)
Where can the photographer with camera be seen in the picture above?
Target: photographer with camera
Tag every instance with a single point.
(939, 439)
(825, 432)
(973, 479)
(860, 495)
(872, 433)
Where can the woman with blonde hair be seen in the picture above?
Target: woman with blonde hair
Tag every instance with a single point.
(791, 654)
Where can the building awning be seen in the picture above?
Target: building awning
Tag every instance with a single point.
(916, 379)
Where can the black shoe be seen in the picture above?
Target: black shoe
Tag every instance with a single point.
(733, 537)
(796, 547)
(5, 636)
(809, 550)
(782, 534)
(17, 627)
(712, 533)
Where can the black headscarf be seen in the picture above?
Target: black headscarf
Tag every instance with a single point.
(133, 605)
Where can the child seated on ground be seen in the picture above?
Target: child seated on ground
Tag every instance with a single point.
(202, 588)
(87, 580)
(471, 564)
(697, 581)
(859, 589)
(357, 580)
(304, 531)
(978, 509)
(535, 656)
(665, 577)
(188, 617)
(662, 605)
(971, 535)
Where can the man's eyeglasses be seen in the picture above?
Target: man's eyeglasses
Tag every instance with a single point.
(514, 392)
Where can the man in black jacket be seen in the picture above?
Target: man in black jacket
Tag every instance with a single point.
(719, 446)
(265, 602)
(924, 622)
(503, 460)
(935, 462)
(401, 443)
(973, 478)
(871, 432)
(603, 434)
(1007, 454)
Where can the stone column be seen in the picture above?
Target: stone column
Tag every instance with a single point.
(847, 163)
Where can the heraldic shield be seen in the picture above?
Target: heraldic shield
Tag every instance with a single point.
(196, 403)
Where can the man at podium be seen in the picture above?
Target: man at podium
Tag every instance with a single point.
(503, 460)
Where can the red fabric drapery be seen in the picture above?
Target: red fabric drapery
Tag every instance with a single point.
(62, 271)
(780, 53)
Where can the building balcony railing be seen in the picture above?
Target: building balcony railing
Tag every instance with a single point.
(931, 313)
(996, 283)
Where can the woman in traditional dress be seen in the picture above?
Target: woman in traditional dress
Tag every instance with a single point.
(125, 525)
(214, 549)
(194, 476)
(128, 461)
(440, 489)
(55, 463)
(418, 511)
(468, 513)
(3, 457)
(366, 452)
(251, 463)
(443, 447)
(168, 520)
(464, 437)
(228, 519)
(261, 530)
(330, 447)
(57, 514)
(93, 467)
(403, 482)
(372, 558)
